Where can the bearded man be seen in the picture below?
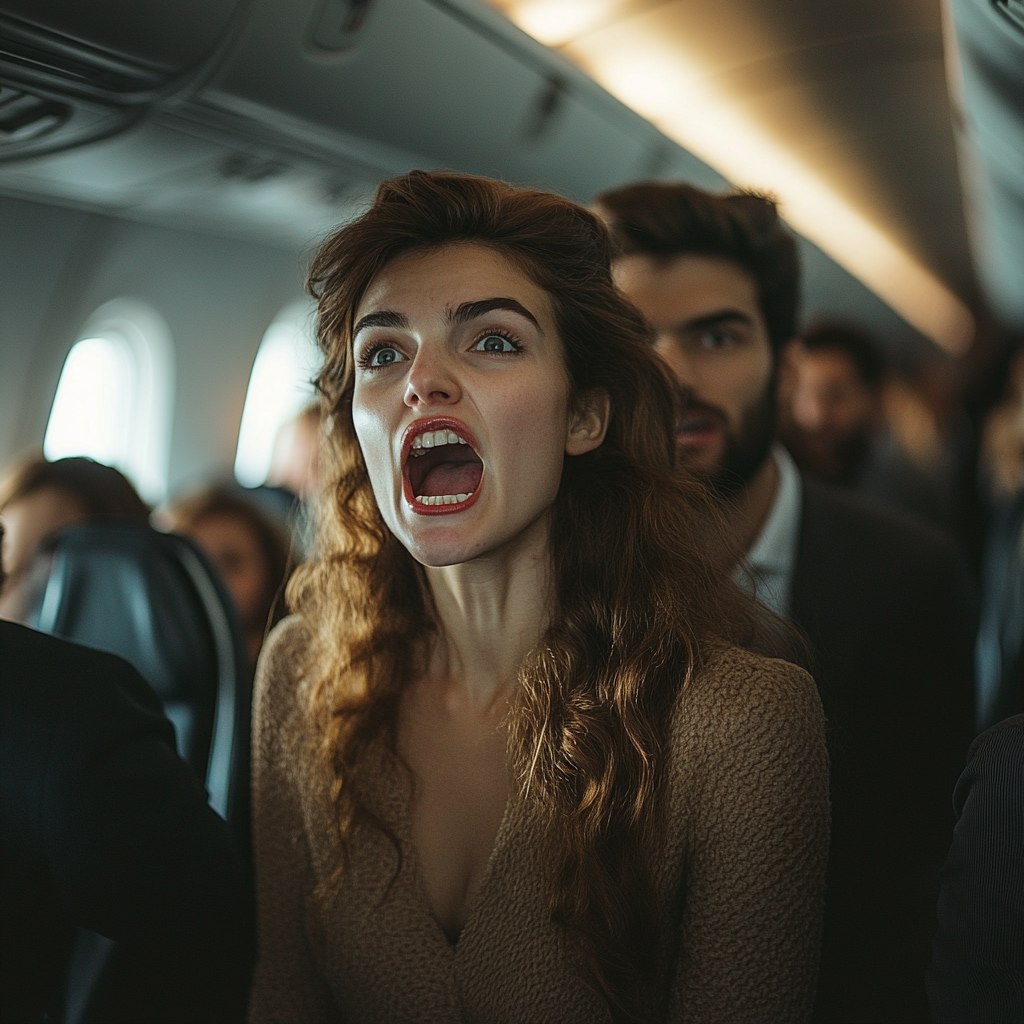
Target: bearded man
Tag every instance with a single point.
(883, 600)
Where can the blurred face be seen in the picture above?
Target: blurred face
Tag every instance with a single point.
(829, 413)
(461, 402)
(235, 549)
(711, 333)
(29, 519)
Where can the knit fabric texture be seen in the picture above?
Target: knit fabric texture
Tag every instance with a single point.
(739, 876)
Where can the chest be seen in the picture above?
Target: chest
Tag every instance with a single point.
(459, 771)
(390, 946)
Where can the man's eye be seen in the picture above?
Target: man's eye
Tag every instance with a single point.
(384, 357)
(716, 338)
(495, 343)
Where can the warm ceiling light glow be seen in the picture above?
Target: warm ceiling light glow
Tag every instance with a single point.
(656, 81)
(554, 22)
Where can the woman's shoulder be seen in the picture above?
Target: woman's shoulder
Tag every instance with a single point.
(286, 645)
(737, 701)
(282, 661)
(727, 671)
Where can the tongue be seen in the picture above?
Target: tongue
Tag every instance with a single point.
(452, 478)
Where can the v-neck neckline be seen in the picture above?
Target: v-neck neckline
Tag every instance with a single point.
(403, 798)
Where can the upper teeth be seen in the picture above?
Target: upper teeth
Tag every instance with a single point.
(434, 439)
(442, 499)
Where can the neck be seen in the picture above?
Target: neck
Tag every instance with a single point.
(491, 611)
(752, 507)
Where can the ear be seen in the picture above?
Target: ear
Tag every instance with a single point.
(588, 422)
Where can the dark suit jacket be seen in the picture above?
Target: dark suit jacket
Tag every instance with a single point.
(977, 970)
(886, 604)
(103, 826)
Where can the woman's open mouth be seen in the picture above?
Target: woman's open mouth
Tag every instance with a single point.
(440, 467)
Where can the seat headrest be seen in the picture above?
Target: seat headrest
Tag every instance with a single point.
(155, 600)
(123, 588)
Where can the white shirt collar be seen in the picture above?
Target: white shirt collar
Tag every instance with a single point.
(768, 567)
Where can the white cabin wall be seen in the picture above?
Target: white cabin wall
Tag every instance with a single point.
(36, 246)
(217, 296)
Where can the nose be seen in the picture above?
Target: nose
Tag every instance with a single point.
(432, 379)
(808, 409)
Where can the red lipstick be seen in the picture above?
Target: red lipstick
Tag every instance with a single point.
(429, 473)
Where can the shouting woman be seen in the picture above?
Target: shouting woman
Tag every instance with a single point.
(520, 754)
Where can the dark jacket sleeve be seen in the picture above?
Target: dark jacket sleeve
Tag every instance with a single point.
(123, 833)
(977, 970)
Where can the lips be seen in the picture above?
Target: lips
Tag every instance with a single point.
(441, 469)
(697, 426)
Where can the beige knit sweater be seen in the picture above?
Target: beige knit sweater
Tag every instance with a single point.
(740, 879)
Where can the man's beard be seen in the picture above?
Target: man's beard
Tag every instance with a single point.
(745, 450)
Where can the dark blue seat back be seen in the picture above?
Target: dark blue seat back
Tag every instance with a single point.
(155, 600)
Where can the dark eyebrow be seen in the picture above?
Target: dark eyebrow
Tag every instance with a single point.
(716, 319)
(383, 318)
(471, 310)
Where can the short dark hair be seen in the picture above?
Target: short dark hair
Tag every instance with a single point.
(669, 219)
(854, 342)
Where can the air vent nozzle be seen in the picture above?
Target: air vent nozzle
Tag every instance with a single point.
(24, 116)
(337, 25)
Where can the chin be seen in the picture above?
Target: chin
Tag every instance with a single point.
(704, 463)
(440, 557)
(437, 548)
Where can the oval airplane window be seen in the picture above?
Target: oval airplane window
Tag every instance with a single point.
(280, 385)
(113, 399)
(92, 407)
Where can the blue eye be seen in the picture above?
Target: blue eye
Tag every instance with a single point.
(495, 343)
(384, 356)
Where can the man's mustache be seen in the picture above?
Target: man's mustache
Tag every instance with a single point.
(687, 404)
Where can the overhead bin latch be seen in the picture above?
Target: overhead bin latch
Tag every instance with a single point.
(337, 23)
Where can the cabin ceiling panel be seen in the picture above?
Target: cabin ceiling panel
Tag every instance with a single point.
(285, 140)
(170, 34)
(161, 173)
(986, 80)
(856, 91)
(275, 66)
(898, 167)
(430, 84)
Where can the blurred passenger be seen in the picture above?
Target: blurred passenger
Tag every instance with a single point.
(295, 470)
(831, 401)
(38, 499)
(977, 970)
(295, 463)
(1001, 636)
(251, 551)
(884, 601)
(104, 827)
(837, 414)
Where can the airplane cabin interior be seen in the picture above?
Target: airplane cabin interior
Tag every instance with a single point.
(169, 169)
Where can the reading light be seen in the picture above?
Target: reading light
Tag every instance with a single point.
(660, 83)
(555, 22)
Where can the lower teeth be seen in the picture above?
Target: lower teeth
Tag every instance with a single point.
(442, 499)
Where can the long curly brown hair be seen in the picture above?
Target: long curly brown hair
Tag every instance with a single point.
(640, 560)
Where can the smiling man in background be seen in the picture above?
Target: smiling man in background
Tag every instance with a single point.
(883, 600)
